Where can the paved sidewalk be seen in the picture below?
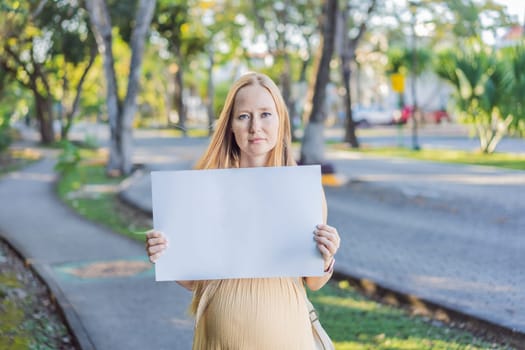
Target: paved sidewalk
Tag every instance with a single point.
(102, 280)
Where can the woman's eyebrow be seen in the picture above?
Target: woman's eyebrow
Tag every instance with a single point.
(242, 111)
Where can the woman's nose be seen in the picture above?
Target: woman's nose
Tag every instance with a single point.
(254, 124)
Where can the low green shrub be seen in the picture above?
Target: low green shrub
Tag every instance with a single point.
(69, 158)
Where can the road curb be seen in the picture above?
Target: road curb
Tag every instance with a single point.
(334, 180)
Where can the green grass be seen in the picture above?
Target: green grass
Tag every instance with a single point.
(355, 322)
(502, 160)
(352, 320)
(78, 188)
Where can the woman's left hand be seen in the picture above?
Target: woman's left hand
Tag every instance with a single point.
(328, 242)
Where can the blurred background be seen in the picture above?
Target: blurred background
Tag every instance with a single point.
(388, 62)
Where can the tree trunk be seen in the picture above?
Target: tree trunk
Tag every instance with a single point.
(348, 49)
(63, 114)
(101, 24)
(43, 103)
(346, 55)
(304, 67)
(312, 148)
(143, 18)
(350, 136)
(120, 117)
(491, 136)
(44, 115)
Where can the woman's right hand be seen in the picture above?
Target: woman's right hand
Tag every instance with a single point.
(156, 243)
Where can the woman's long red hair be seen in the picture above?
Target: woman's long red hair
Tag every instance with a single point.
(223, 151)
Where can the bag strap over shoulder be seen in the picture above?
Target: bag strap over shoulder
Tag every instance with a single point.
(321, 338)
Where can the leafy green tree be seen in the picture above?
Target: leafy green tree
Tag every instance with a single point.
(18, 58)
(185, 39)
(74, 51)
(44, 47)
(152, 100)
(5, 136)
(483, 81)
(288, 28)
(222, 26)
(516, 108)
(469, 18)
(400, 60)
(449, 23)
(15, 104)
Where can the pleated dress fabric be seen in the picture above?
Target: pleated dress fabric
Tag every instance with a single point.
(254, 314)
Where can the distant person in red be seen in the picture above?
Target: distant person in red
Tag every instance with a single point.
(436, 116)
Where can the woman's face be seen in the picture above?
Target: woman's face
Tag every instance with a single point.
(255, 124)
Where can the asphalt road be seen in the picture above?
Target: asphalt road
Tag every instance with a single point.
(454, 253)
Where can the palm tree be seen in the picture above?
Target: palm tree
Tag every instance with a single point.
(483, 83)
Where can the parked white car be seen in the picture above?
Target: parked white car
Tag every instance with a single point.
(367, 116)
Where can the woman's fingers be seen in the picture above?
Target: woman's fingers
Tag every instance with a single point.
(155, 237)
(153, 249)
(328, 236)
(328, 257)
(153, 234)
(156, 243)
(154, 252)
(324, 251)
(330, 232)
(153, 258)
(327, 243)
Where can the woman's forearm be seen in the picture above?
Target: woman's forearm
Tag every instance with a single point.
(317, 282)
(186, 284)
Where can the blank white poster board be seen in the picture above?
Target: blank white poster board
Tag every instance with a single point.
(238, 223)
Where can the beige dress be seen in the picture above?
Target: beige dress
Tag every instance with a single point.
(253, 314)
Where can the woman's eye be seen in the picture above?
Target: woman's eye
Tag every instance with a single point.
(266, 114)
(244, 117)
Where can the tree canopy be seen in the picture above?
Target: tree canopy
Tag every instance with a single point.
(193, 50)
